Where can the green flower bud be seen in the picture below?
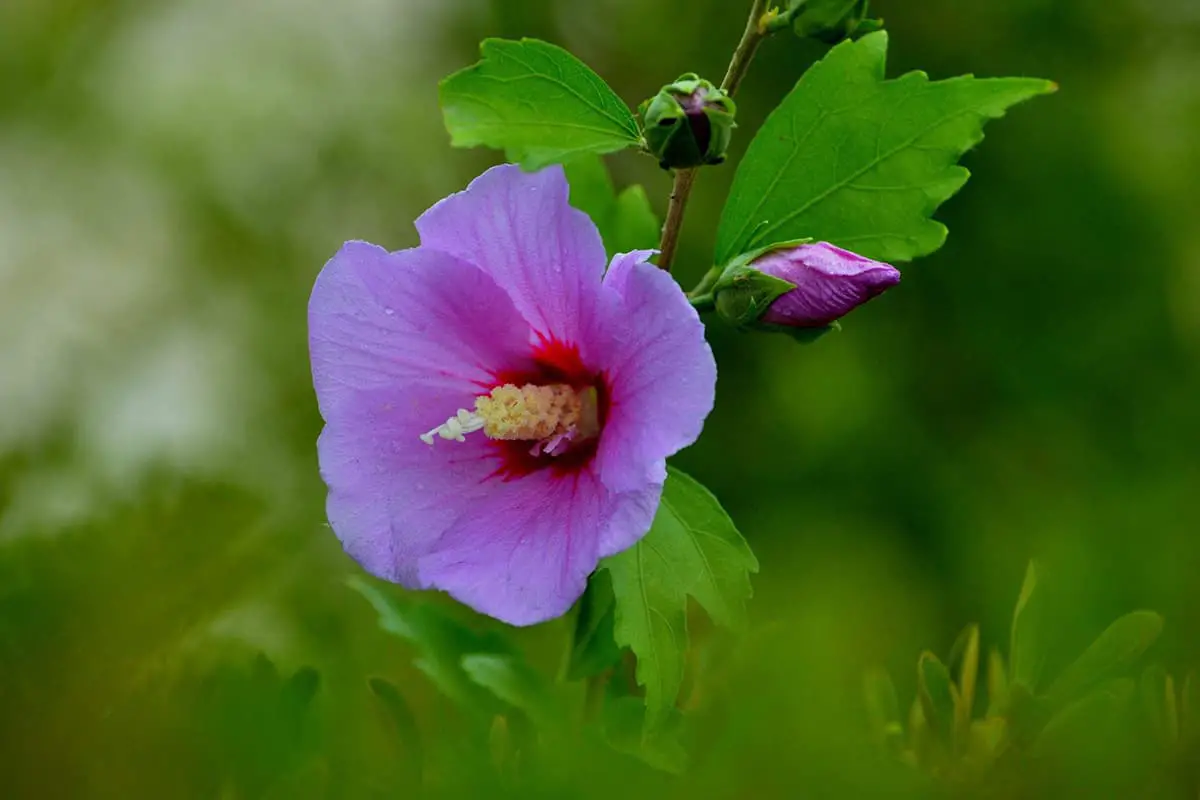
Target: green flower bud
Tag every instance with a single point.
(831, 21)
(688, 123)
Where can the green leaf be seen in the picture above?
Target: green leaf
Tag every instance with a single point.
(593, 647)
(883, 709)
(1026, 652)
(965, 655)
(1086, 723)
(626, 220)
(922, 742)
(408, 760)
(859, 161)
(1024, 715)
(937, 695)
(592, 190)
(442, 640)
(254, 722)
(517, 684)
(692, 549)
(635, 226)
(997, 683)
(537, 102)
(1158, 705)
(623, 719)
(1189, 711)
(1113, 652)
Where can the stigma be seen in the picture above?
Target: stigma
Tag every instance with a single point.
(551, 417)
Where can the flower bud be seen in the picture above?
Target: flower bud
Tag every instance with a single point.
(831, 21)
(688, 123)
(799, 288)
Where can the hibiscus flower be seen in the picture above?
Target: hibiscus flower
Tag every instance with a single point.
(498, 406)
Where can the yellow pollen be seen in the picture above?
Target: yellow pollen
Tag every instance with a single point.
(530, 412)
(556, 417)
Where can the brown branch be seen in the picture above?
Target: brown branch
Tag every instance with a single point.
(681, 189)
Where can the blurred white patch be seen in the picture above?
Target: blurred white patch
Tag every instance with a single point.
(48, 499)
(102, 340)
(255, 92)
(260, 626)
(179, 401)
(85, 262)
(119, 353)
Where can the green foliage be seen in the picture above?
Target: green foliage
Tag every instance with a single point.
(1024, 735)
(444, 643)
(859, 161)
(1027, 641)
(251, 725)
(627, 730)
(1171, 720)
(1116, 650)
(537, 102)
(638, 600)
(1089, 718)
(593, 646)
(634, 224)
(965, 655)
(830, 21)
(517, 684)
(626, 220)
(883, 709)
(692, 550)
(937, 694)
(406, 757)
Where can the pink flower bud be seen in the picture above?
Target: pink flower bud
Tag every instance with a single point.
(829, 283)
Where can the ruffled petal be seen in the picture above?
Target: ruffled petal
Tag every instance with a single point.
(390, 495)
(659, 370)
(518, 227)
(522, 553)
(401, 341)
(378, 319)
(632, 514)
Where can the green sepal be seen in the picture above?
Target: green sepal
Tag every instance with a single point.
(673, 139)
(743, 294)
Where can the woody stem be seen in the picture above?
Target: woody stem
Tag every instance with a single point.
(744, 53)
(681, 189)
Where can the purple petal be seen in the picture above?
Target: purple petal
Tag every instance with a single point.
(632, 515)
(522, 552)
(399, 342)
(659, 371)
(391, 495)
(518, 227)
(378, 319)
(830, 283)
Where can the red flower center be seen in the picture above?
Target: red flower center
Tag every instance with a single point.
(553, 362)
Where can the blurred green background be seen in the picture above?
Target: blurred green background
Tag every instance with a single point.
(174, 173)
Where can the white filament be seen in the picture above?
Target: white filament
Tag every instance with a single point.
(456, 427)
